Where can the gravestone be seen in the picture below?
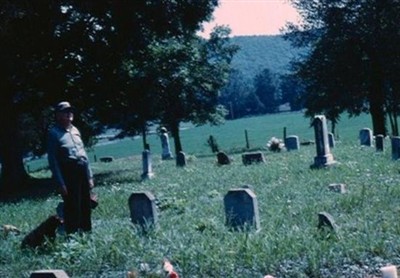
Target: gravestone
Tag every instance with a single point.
(292, 143)
(147, 165)
(241, 209)
(49, 273)
(324, 157)
(395, 147)
(166, 151)
(379, 139)
(366, 137)
(331, 139)
(143, 211)
(223, 159)
(337, 187)
(254, 157)
(181, 159)
(325, 220)
(106, 159)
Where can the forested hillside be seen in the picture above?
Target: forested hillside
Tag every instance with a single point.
(259, 83)
(259, 52)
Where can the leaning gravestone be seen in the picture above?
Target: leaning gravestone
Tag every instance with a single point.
(181, 159)
(241, 209)
(379, 139)
(395, 147)
(143, 209)
(254, 157)
(223, 159)
(147, 165)
(324, 157)
(49, 273)
(292, 143)
(366, 137)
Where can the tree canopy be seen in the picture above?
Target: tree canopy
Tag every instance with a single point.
(116, 61)
(352, 57)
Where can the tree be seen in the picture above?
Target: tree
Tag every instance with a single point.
(292, 89)
(351, 57)
(266, 91)
(190, 72)
(239, 98)
(78, 50)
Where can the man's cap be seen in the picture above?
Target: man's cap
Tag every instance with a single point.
(64, 106)
(163, 129)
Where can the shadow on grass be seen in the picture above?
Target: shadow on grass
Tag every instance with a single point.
(33, 188)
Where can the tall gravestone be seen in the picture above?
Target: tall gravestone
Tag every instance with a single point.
(166, 150)
(292, 143)
(379, 139)
(241, 209)
(324, 157)
(143, 209)
(366, 137)
(147, 165)
(395, 147)
(181, 159)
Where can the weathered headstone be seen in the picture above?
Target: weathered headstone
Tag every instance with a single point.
(253, 157)
(379, 139)
(166, 151)
(395, 147)
(147, 165)
(325, 220)
(181, 159)
(143, 210)
(241, 209)
(324, 157)
(331, 139)
(292, 143)
(106, 159)
(337, 187)
(223, 158)
(49, 273)
(366, 137)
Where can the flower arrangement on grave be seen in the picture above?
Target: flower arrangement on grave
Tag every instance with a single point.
(275, 144)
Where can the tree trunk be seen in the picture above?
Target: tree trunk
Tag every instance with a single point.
(13, 174)
(175, 133)
(144, 137)
(377, 98)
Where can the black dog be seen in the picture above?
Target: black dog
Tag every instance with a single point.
(47, 229)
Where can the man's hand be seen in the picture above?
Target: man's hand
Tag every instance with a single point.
(91, 183)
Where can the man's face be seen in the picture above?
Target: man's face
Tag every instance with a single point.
(65, 118)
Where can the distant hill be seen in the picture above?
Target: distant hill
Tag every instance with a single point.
(259, 52)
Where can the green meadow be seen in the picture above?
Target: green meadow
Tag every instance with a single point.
(191, 230)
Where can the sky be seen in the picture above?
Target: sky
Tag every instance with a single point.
(252, 17)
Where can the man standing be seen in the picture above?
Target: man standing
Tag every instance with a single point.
(70, 169)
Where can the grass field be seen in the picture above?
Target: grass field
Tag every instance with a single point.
(191, 230)
(230, 136)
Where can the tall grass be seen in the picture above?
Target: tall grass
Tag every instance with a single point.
(191, 230)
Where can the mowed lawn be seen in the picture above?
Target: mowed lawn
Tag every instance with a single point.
(191, 230)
